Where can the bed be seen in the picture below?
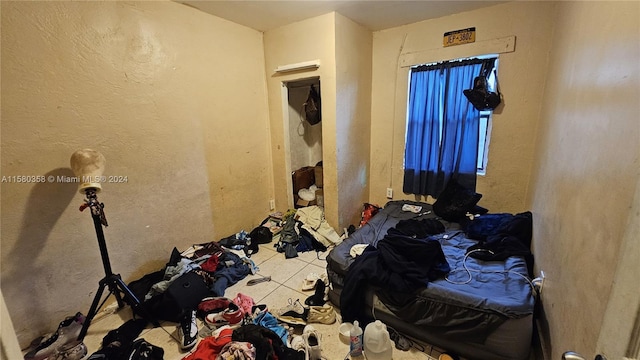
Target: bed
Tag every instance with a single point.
(482, 308)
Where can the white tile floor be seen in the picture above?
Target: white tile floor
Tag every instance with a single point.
(287, 276)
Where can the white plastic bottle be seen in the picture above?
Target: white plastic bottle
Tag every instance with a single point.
(377, 343)
(356, 340)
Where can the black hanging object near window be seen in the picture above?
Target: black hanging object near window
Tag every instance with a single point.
(480, 96)
(312, 107)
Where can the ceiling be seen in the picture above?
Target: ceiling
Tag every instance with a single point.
(373, 14)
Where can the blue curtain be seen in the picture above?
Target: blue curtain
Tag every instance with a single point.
(442, 128)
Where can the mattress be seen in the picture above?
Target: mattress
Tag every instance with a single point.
(481, 310)
(511, 340)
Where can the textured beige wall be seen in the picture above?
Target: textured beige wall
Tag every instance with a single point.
(344, 50)
(353, 117)
(587, 174)
(521, 75)
(623, 307)
(162, 91)
(291, 44)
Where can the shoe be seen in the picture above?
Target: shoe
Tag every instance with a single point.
(231, 316)
(141, 349)
(188, 331)
(68, 331)
(257, 310)
(401, 342)
(309, 283)
(294, 313)
(321, 314)
(75, 350)
(212, 304)
(312, 338)
(299, 344)
(317, 299)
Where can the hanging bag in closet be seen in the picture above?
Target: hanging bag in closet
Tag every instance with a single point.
(312, 107)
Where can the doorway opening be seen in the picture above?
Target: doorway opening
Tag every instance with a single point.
(303, 141)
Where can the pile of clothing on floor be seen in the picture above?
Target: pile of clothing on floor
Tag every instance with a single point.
(200, 271)
(240, 329)
(305, 229)
(248, 331)
(203, 271)
(233, 329)
(297, 230)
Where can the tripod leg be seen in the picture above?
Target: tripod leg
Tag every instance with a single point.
(133, 301)
(113, 289)
(93, 310)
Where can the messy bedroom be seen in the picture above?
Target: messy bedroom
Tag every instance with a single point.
(375, 180)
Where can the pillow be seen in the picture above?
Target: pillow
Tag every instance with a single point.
(455, 201)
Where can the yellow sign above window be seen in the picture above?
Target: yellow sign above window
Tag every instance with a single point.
(458, 37)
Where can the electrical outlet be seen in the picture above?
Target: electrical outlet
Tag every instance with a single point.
(389, 193)
(272, 204)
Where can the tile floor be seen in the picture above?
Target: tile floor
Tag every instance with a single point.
(287, 276)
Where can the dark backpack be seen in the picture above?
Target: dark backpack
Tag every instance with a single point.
(289, 239)
(480, 96)
(261, 235)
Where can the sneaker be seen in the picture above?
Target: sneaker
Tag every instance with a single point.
(212, 304)
(321, 314)
(231, 316)
(299, 344)
(68, 331)
(256, 310)
(188, 331)
(294, 313)
(75, 350)
(312, 338)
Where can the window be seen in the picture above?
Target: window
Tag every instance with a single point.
(446, 137)
(484, 136)
(485, 128)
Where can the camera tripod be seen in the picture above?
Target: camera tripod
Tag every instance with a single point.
(111, 281)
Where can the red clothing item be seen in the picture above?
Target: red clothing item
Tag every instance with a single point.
(211, 264)
(211, 346)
